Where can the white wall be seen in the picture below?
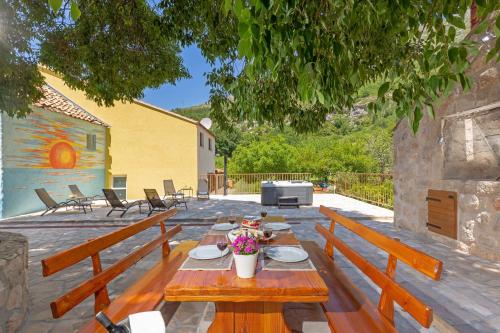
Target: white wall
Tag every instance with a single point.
(206, 157)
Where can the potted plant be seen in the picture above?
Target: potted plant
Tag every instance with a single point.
(245, 252)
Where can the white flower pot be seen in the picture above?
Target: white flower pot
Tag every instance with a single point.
(245, 265)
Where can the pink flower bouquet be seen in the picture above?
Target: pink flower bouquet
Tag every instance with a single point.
(245, 245)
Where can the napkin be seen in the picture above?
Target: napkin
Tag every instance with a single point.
(147, 322)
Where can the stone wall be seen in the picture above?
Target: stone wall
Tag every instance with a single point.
(13, 274)
(428, 161)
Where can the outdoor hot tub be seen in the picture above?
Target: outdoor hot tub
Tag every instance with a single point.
(272, 190)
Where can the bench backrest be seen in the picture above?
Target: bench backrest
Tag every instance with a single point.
(97, 284)
(391, 290)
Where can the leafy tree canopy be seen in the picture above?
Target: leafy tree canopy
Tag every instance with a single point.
(112, 50)
(297, 61)
(287, 62)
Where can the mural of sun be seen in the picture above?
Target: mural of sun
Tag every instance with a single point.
(62, 156)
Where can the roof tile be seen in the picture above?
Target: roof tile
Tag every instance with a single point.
(56, 102)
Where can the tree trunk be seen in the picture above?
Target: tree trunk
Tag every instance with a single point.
(225, 175)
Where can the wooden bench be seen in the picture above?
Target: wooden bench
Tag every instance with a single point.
(348, 308)
(144, 295)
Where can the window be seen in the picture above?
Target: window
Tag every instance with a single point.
(202, 139)
(209, 143)
(120, 186)
(91, 142)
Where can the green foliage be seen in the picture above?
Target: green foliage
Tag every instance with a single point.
(19, 76)
(196, 112)
(340, 145)
(343, 143)
(271, 154)
(110, 49)
(303, 60)
(285, 62)
(227, 137)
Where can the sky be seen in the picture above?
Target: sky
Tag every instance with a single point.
(186, 92)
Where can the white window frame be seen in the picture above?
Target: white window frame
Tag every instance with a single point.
(119, 188)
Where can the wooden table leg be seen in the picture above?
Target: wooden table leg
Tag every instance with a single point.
(224, 318)
(249, 317)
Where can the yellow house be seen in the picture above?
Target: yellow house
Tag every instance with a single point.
(147, 144)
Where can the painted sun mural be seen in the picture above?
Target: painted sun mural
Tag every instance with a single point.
(48, 149)
(48, 140)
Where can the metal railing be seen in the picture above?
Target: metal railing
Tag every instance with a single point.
(374, 188)
(248, 183)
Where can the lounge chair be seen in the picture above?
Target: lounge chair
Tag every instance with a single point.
(76, 194)
(202, 192)
(52, 205)
(120, 205)
(156, 204)
(171, 193)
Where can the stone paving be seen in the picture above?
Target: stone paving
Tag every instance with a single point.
(467, 299)
(218, 205)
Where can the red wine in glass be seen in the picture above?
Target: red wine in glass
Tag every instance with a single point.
(268, 232)
(221, 245)
(263, 213)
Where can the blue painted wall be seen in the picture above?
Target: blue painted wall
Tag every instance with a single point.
(49, 150)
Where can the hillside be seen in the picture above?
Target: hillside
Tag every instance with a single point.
(196, 112)
(354, 142)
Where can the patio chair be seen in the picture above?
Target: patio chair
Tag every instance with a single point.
(76, 194)
(118, 204)
(156, 204)
(202, 192)
(52, 205)
(170, 192)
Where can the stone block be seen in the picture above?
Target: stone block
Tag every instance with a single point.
(3, 294)
(15, 298)
(469, 201)
(14, 322)
(488, 187)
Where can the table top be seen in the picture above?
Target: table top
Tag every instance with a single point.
(266, 286)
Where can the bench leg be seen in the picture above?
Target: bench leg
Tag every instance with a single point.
(265, 317)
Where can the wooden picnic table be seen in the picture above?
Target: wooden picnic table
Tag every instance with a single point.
(248, 305)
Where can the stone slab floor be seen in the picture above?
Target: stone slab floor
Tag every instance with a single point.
(467, 299)
(209, 210)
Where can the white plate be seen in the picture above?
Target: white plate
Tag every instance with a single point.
(224, 226)
(277, 226)
(286, 254)
(205, 252)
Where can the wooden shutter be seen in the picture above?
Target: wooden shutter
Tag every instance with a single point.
(442, 212)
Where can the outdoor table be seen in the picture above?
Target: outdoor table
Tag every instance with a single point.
(247, 305)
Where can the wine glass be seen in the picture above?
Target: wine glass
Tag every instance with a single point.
(221, 245)
(263, 213)
(232, 218)
(268, 232)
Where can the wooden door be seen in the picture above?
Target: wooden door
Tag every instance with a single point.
(442, 212)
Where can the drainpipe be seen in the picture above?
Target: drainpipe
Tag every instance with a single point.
(225, 175)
